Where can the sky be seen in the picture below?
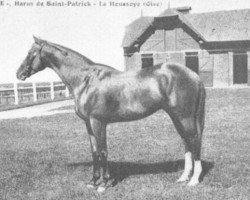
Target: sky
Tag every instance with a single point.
(95, 31)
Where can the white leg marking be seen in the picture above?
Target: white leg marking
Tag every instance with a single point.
(187, 168)
(197, 172)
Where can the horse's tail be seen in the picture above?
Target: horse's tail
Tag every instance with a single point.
(200, 109)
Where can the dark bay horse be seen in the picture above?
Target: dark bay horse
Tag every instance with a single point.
(104, 95)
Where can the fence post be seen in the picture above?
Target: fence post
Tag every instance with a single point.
(66, 92)
(52, 92)
(16, 93)
(34, 91)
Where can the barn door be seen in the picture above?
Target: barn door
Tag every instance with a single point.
(239, 68)
(192, 61)
(147, 60)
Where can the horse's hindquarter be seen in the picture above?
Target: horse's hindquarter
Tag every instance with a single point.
(183, 89)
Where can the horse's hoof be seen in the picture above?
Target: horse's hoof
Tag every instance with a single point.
(182, 179)
(93, 184)
(193, 183)
(101, 189)
(105, 185)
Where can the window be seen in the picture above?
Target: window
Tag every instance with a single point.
(240, 68)
(147, 60)
(192, 61)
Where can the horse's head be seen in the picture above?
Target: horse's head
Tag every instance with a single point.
(32, 63)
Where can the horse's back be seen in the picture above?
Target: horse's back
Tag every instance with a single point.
(175, 70)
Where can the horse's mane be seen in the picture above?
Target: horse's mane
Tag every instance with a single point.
(89, 61)
(57, 46)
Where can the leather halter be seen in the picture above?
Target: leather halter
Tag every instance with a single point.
(29, 64)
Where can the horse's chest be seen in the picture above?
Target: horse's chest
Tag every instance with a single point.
(86, 103)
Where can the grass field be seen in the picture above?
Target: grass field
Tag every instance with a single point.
(49, 157)
(4, 107)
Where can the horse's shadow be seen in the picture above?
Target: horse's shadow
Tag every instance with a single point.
(121, 170)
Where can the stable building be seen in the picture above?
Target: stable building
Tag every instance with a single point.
(216, 45)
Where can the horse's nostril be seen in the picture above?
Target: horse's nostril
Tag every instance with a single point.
(22, 75)
(18, 74)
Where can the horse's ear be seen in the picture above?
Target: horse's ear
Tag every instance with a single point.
(37, 40)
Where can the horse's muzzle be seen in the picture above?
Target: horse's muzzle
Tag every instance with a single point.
(22, 75)
(22, 78)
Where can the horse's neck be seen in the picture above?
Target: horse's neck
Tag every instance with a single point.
(75, 73)
(69, 77)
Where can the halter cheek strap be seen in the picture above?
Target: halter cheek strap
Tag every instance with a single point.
(28, 69)
(41, 48)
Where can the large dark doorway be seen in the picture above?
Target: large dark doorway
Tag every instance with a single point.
(192, 61)
(147, 60)
(240, 68)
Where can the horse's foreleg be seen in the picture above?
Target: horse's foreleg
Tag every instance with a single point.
(107, 181)
(100, 153)
(93, 129)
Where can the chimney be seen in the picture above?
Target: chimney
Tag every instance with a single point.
(184, 10)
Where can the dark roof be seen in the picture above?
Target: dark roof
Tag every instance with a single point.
(233, 25)
(136, 29)
(183, 18)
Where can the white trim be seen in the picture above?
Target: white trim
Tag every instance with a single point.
(192, 50)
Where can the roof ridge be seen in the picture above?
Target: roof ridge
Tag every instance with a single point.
(233, 25)
(184, 19)
(219, 11)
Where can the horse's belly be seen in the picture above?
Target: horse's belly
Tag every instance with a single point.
(128, 115)
(135, 110)
(124, 115)
(118, 111)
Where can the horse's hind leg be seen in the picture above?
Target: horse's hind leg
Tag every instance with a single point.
(188, 167)
(194, 144)
(187, 129)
